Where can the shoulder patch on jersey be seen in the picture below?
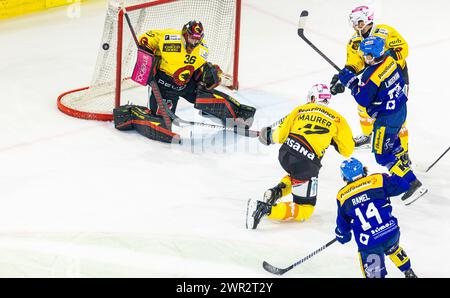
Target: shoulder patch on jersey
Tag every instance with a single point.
(172, 47)
(204, 54)
(381, 31)
(172, 37)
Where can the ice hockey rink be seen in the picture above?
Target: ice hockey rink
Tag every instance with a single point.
(82, 199)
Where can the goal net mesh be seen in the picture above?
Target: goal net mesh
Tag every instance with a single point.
(98, 100)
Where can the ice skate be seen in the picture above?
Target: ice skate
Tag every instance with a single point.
(363, 141)
(416, 190)
(273, 194)
(255, 211)
(410, 273)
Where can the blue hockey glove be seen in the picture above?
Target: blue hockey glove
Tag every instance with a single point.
(348, 78)
(343, 237)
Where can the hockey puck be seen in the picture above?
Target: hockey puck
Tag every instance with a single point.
(105, 46)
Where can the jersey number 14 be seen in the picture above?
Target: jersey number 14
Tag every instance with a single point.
(371, 211)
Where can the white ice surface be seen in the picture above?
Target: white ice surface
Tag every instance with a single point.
(79, 198)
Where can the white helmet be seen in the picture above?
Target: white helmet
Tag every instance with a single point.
(319, 94)
(361, 13)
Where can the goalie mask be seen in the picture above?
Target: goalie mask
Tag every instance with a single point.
(192, 33)
(360, 17)
(319, 94)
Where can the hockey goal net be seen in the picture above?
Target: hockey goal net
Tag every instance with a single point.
(111, 84)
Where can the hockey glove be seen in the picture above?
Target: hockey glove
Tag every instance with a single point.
(343, 237)
(392, 53)
(348, 78)
(265, 136)
(211, 77)
(335, 86)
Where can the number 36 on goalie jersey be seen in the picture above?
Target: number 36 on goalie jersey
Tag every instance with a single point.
(320, 126)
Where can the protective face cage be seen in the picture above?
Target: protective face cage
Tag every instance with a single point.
(193, 33)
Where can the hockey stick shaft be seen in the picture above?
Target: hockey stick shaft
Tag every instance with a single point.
(301, 33)
(133, 33)
(162, 108)
(279, 271)
(435, 162)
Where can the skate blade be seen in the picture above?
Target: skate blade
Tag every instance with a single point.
(250, 220)
(420, 193)
(364, 147)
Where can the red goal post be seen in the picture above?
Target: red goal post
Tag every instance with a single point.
(111, 80)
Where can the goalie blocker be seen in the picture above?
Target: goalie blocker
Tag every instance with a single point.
(139, 118)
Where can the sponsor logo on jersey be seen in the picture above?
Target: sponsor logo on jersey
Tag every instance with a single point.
(381, 31)
(299, 148)
(183, 75)
(396, 42)
(355, 187)
(203, 54)
(383, 229)
(387, 69)
(317, 109)
(172, 37)
(172, 47)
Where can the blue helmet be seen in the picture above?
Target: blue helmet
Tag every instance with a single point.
(352, 169)
(372, 45)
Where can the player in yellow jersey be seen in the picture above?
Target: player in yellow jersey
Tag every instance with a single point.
(183, 71)
(362, 20)
(305, 134)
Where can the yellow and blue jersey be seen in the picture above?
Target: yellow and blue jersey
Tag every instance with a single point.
(364, 206)
(393, 41)
(382, 88)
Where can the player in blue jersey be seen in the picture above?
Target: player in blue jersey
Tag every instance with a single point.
(364, 207)
(382, 92)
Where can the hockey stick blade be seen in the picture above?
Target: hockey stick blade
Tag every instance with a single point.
(301, 32)
(275, 270)
(301, 22)
(279, 271)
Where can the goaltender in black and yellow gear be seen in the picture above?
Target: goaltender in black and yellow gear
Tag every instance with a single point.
(305, 134)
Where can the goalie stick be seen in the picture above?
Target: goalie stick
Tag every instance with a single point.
(280, 271)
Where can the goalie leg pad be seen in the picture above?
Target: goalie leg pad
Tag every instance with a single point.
(224, 107)
(122, 118)
(140, 118)
(152, 127)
